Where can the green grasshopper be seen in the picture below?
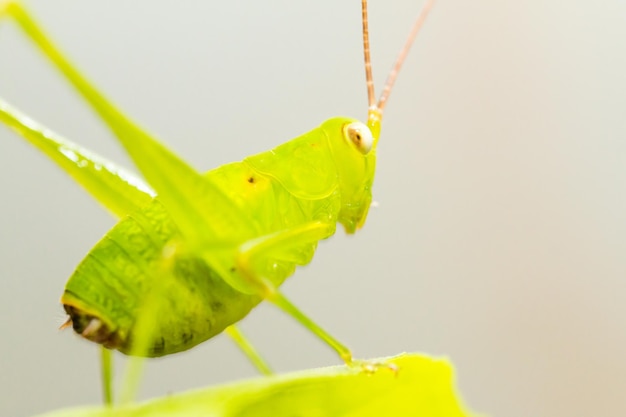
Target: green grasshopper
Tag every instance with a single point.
(194, 252)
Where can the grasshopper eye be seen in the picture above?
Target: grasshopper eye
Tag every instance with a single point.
(360, 135)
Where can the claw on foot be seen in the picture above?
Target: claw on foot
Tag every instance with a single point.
(371, 367)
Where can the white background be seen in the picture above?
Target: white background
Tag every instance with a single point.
(500, 236)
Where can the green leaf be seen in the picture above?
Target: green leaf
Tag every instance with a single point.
(421, 386)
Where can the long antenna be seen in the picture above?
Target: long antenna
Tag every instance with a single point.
(369, 79)
(393, 74)
(375, 110)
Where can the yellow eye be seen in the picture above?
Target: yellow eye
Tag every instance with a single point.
(360, 135)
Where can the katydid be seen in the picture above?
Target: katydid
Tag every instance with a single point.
(193, 253)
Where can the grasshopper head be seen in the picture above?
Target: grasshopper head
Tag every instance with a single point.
(353, 148)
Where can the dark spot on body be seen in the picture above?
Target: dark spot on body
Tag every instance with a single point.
(159, 347)
(187, 337)
(233, 269)
(216, 306)
(251, 180)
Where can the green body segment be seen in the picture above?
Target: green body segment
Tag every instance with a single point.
(116, 278)
(317, 177)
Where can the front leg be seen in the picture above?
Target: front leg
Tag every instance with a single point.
(253, 251)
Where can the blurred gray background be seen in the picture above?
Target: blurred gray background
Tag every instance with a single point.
(500, 235)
